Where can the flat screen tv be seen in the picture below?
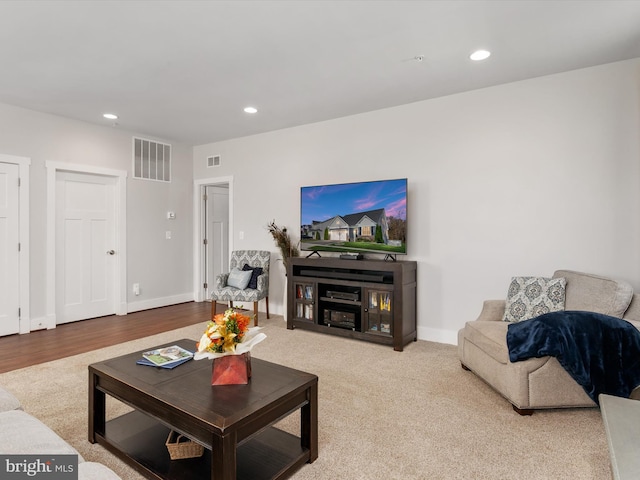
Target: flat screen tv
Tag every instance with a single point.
(362, 217)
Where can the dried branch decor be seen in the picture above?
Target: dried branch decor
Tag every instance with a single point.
(283, 242)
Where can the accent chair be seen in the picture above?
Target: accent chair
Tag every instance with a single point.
(247, 281)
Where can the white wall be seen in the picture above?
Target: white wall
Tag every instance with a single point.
(518, 179)
(162, 267)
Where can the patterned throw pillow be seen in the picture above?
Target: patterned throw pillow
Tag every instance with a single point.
(529, 297)
(257, 271)
(238, 279)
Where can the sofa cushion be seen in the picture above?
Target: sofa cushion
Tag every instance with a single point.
(592, 293)
(529, 297)
(95, 471)
(490, 337)
(24, 434)
(8, 401)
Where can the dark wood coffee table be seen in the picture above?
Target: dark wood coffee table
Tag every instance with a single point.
(233, 422)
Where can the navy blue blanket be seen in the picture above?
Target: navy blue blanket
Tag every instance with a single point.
(600, 352)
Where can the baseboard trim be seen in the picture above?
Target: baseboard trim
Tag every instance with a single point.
(438, 335)
(159, 302)
(41, 323)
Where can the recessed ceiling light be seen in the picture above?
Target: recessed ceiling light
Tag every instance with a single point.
(251, 110)
(110, 116)
(480, 55)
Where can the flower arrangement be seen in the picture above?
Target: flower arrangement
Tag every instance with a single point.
(283, 242)
(228, 334)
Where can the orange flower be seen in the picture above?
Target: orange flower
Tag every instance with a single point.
(243, 322)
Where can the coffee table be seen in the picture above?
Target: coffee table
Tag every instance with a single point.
(234, 422)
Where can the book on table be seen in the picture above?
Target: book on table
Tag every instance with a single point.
(166, 357)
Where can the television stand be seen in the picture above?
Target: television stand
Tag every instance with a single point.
(371, 300)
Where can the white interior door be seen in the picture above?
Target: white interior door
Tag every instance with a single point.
(9, 253)
(216, 233)
(85, 246)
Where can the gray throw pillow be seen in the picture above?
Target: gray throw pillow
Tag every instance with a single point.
(238, 278)
(529, 297)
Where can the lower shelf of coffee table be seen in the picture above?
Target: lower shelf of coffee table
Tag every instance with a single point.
(140, 441)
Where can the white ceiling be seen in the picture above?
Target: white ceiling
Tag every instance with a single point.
(184, 70)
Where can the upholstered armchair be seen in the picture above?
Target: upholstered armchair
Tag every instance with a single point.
(247, 281)
(540, 383)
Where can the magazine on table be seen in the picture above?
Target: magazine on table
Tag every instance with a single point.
(167, 357)
(144, 361)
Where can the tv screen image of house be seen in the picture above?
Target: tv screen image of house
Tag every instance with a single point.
(362, 217)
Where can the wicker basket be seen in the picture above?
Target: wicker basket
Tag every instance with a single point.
(180, 446)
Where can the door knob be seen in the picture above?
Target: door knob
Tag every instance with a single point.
(111, 252)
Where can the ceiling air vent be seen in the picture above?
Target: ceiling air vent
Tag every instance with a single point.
(213, 161)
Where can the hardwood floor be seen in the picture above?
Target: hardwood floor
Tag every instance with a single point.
(41, 346)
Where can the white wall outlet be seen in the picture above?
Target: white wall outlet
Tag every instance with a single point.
(136, 289)
(167, 234)
(241, 235)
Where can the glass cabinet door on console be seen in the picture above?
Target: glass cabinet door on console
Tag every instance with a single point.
(378, 312)
(304, 301)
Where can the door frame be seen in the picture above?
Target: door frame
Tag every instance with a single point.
(120, 224)
(198, 229)
(24, 253)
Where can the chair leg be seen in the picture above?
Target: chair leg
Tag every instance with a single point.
(230, 304)
(266, 299)
(213, 309)
(255, 314)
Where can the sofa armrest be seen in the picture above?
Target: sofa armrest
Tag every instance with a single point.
(492, 310)
(633, 312)
(95, 471)
(8, 401)
(621, 419)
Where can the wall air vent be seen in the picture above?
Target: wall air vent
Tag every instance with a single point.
(213, 161)
(151, 160)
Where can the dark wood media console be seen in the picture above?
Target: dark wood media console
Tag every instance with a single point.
(372, 300)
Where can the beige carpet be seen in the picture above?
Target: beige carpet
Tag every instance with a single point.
(382, 414)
